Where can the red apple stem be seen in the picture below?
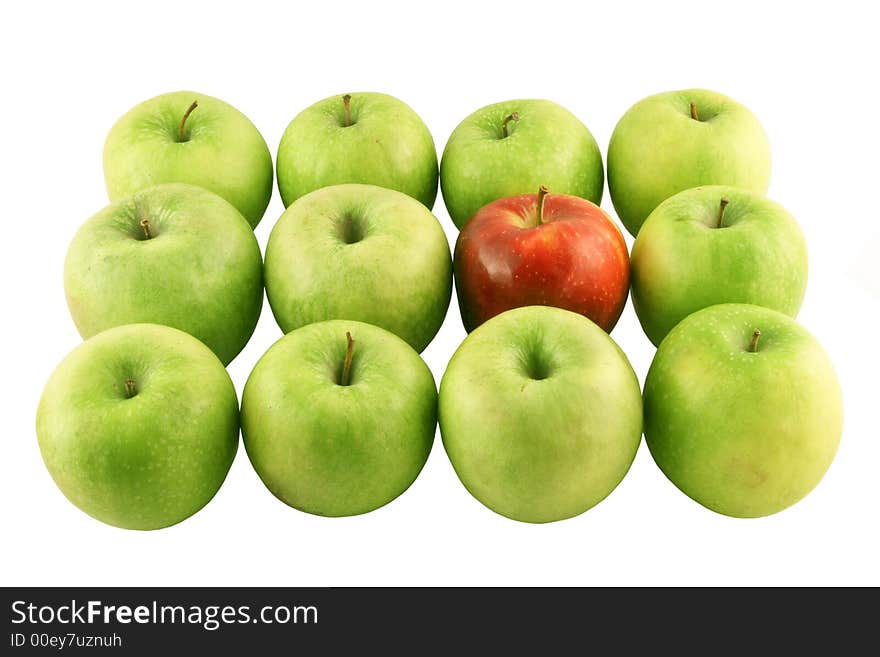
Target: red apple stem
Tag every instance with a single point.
(694, 115)
(755, 337)
(130, 388)
(346, 103)
(542, 192)
(346, 367)
(181, 136)
(145, 225)
(721, 206)
(511, 117)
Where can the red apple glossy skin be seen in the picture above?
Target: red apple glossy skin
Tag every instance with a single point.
(574, 258)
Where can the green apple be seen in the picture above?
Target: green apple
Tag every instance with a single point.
(368, 138)
(364, 253)
(711, 245)
(540, 413)
(188, 137)
(673, 141)
(338, 417)
(138, 426)
(173, 254)
(743, 411)
(513, 148)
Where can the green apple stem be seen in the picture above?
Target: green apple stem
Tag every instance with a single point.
(755, 337)
(130, 388)
(181, 135)
(346, 367)
(721, 206)
(542, 192)
(694, 115)
(148, 232)
(504, 130)
(346, 103)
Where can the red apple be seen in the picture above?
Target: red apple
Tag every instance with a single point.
(541, 250)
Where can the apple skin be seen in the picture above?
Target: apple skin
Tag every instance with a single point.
(148, 460)
(364, 253)
(575, 258)
(547, 145)
(222, 151)
(540, 414)
(682, 262)
(743, 433)
(332, 449)
(201, 271)
(387, 145)
(657, 149)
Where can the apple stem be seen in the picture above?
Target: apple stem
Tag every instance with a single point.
(346, 367)
(755, 337)
(145, 225)
(542, 192)
(511, 117)
(694, 115)
(130, 388)
(346, 103)
(721, 206)
(180, 134)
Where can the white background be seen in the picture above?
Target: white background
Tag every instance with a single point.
(69, 70)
